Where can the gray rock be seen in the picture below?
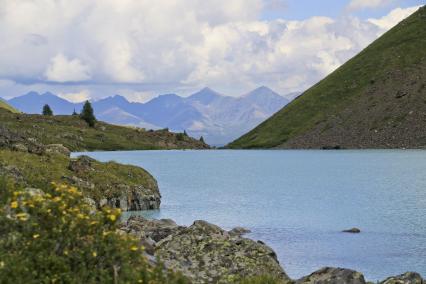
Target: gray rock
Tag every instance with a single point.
(239, 231)
(19, 147)
(81, 165)
(406, 278)
(57, 149)
(331, 275)
(155, 230)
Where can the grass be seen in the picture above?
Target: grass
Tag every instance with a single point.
(8, 107)
(399, 49)
(76, 135)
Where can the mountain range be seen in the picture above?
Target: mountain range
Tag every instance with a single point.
(218, 118)
(375, 100)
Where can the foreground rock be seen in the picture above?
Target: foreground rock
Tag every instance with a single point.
(331, 275)
(204, 252)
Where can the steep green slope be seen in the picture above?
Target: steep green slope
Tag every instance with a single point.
(375, 100)
(76, 135)
(6, 106)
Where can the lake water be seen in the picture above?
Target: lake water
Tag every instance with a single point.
(298, 202)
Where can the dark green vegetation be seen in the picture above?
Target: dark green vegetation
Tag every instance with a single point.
(75, 134)
(54, 236)
(47, 110)
(87, 114)
(376, 100)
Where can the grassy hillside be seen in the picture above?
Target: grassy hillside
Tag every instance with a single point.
(376, 100)
(8, 107)
(76, 135)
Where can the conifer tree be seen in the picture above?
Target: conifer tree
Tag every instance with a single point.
(87, 114)
(47, 110)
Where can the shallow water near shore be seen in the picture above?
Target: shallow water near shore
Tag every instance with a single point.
(298, 202)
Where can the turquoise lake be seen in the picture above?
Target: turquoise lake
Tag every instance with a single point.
(298, 202)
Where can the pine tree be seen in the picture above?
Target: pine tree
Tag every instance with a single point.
(184, 133)
(87, 114)
(74, 112)
(202, 139)
(47, 110)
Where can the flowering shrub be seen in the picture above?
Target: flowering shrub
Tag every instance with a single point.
(56, 236)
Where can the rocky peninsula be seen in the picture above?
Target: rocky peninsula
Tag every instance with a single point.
(202, 252)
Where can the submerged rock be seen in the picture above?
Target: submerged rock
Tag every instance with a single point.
(331, 275)
(406, 278)
(352, 231)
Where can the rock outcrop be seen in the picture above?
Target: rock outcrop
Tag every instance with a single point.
(126, 196)
(406, 278)
(204, 252)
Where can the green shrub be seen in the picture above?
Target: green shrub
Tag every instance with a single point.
(180, 136)
(55, 236)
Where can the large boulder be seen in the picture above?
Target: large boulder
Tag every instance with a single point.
(331, 275)
(208, 254)
(406, 278)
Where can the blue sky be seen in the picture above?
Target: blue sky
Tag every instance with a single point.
(142, 48)
(302, 9)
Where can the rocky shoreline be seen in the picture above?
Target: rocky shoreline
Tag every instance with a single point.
(206, 253)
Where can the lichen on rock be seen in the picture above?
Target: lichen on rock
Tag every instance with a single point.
(206, 253)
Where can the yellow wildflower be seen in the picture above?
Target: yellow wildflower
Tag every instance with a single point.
(112, 217)
(73, 190)
(65, 252)
(134, 248)
(94, 254)
(22, 216)
(35, 236)
(1, 264)
(14, 204)
(81, 216)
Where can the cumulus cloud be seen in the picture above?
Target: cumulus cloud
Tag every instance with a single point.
(185, 44)
(76, 97)
(363, 4)
(395, 16)
(61, 69)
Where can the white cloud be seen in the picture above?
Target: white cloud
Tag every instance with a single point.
(394, 17)
(76, 97)
(171, 45)
(61, 69)
(363, 4)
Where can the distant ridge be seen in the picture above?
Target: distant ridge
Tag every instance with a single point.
(216, 117)
(375, 100)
